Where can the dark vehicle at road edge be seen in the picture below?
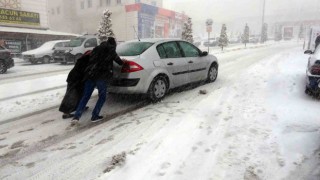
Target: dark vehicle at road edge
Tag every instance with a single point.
(313, 73)
(6, 60)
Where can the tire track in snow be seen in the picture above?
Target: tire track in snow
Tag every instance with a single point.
(32, 93)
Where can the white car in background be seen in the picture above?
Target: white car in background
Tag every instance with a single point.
(154, 66)
(43, 53)
(77, 47)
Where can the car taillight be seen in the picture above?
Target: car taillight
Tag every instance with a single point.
(315, 70)
(8, 54)
(130, 66)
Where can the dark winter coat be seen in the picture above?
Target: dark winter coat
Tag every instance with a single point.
(317, 41)
(101, 62)
(78, 71)
(75, 87)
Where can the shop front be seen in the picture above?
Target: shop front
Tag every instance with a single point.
(155, 22)
(21, 31)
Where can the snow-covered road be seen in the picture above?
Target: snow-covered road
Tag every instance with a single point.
(254, 123)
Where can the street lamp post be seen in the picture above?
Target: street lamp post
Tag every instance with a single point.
(263, 14)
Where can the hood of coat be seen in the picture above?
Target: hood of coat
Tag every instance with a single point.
(103, 50)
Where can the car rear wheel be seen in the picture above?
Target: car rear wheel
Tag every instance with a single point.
(3, 67)
(46, 60)
(33, 61)
(158, 89)
(212, 73)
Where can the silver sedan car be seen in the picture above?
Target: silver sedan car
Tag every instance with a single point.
(154, 66)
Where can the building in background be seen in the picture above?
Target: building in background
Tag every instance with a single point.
(24, 25)
(130, 18)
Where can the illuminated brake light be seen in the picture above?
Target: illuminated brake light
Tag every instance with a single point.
(130, 66)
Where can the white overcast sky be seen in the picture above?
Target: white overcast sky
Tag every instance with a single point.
(229, 10)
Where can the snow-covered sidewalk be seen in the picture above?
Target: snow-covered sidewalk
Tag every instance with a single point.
(240, 46)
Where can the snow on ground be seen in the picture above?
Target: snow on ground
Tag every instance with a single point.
(254, 124)
(24, 94)
(237, 46)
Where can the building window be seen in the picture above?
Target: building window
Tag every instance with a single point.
(52, 11)
(82, 5)
(58, 10)
(137, 1)
(118, 1)
(154, 3)
(89, 3)
(108, 2)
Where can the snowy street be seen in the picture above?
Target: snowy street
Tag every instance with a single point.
(255, 122)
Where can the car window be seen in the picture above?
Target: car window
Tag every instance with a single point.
(60, 44)
(133, 48)
(188, 49)
(76, 42)
(161, 52)
(172, 50)
(91, 43)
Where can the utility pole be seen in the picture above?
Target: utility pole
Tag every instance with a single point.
(263, 13)
(209, 23)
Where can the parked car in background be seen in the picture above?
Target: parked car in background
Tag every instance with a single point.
(234, 40)
(253, 39)
(77, 47)
(313, 73)
(6, 60)
(212, 42)
(154, 66)
(43, 53)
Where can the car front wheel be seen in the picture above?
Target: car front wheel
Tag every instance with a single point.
(3, 67)
(78, 56)
(158, 89)
(212, 73)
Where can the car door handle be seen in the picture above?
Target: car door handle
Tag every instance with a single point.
(190, 62)
(170, 63)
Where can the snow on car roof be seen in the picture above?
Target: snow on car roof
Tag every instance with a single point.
(154, 40)
(34, 31)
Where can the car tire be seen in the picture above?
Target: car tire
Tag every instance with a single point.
(46, 60)
(3, 67)
(212, 73)
(158, 89)
(34, 62)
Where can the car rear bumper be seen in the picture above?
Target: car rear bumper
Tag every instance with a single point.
(64, 58)
(30, 58)
(127, 86)
(10, 63)
(125, 82)
(313, 83)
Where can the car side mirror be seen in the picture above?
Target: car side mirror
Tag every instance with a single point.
(204, 53)
(53, 48)
(308, 52)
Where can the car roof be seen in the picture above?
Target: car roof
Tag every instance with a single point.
(56, 41)
(87, 36)
(156, 40)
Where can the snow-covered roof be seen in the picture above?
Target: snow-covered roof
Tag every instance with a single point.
(34, 31)
(154, 40)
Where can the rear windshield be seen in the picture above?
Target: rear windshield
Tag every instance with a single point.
(133, 48)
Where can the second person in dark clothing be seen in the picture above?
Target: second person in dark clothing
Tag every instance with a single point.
(98, 72)
(75, 87)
